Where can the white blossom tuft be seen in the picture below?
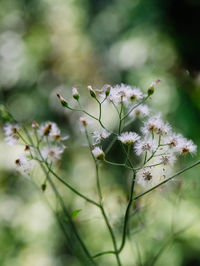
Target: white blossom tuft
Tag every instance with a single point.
(129, 138)
(52, 153)
(98, 136)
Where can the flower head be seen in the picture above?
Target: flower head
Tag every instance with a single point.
(98, 136)
(10, 131)
(129, 138)
(186, 146)
(145, 145)
(140, 111)
(155, 125)
(23, 165)
(52, 153)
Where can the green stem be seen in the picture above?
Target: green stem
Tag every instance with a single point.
(126, 217)
(71, 188)
(68, 216)
(118, 164)
(166, 180)
(135, 106)
(104, 253)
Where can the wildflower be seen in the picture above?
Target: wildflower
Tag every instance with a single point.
(50, 129)
(10, 131)
(129, 138)
(173, 141)
(23, 165)
(140, 111)
(98, 136)
(52, 153)
(186, 146)
(124, 93)
(168, 159)
(145, 178)
(11, 140)
(155, 125)
(145, 145)
(134, 93)
(98, 153)
(75, 93)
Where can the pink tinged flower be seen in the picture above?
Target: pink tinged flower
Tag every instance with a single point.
(129, 138)
(52, 153)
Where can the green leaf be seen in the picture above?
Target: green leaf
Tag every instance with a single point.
(75, 213)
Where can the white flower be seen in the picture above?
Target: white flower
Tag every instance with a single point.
(52, 153)
(10, 131)
(11, 140)
(145, 178)
(145, 145)
(140, 111)
(186, 146)
(129, 138)
(173, 141)
(169, 158)
(155, 125)
(150, 176)
(98, 153)
(50, 129)
(124, 93)
(23, 165)
(98, 136)
(134, 93)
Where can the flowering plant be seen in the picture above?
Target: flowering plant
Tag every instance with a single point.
(149, 154)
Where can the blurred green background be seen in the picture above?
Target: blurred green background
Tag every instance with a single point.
(47, 46)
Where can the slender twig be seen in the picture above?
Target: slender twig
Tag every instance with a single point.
(135, 106)
(126, 217)
(166, 180)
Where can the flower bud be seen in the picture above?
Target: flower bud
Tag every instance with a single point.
(43, 187)
(92, 92)
(107, 91)
(151, 89)
(75, 93)
(62, 100)
(98, 153)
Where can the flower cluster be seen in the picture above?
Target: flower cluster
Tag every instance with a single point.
(122, 93)
(45, 143)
